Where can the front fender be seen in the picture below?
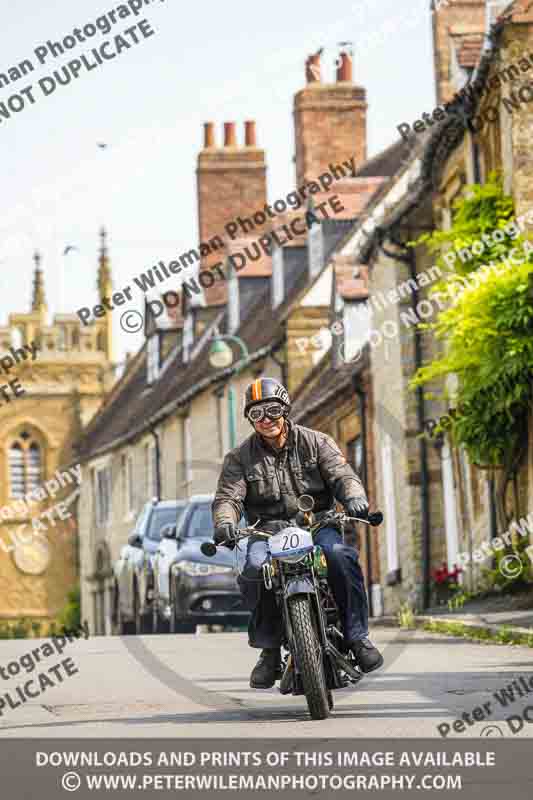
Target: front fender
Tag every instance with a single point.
(301, 585)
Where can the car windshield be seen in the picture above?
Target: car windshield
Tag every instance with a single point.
(139, 525)
(160, 518)
(200, 523)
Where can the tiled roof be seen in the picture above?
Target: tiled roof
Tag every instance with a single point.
(334, 231)
(323, 384)
(132, 404)
(294, 264)
(388, 162)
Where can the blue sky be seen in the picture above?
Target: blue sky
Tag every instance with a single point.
(216, 61)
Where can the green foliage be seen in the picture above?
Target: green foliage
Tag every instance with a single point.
(457, 601)
(406, 617)
(70, 616)
(503, 636)
(496, 578)
(485, 210)
(20, 629)
(5, 630)
(487, 330)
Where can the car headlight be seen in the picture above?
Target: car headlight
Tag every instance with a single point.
(194, 568)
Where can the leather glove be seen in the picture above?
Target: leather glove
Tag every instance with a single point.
(357, 508)
(224, 532)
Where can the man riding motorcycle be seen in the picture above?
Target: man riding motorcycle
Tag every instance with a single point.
(264, 477)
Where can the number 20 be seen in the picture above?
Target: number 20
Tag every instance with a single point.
(289, 542)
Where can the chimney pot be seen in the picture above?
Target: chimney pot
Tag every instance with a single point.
(249, 133)
(230, 138)
(344, 67)
(209, 134)
(312, 68)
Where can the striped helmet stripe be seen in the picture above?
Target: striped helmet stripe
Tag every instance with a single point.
(256, 390)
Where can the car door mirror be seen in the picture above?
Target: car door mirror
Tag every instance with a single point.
(134, 540)
(168, 532)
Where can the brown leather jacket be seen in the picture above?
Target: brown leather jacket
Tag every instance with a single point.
(265, 484)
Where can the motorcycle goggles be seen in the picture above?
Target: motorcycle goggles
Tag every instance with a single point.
(271, 410)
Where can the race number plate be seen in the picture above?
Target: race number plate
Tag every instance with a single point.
(291, 542)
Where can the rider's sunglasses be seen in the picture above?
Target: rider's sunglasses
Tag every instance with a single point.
(271, 410)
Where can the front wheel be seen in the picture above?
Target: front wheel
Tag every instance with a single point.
(309, 657)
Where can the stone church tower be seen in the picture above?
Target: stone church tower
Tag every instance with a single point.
(53, 378)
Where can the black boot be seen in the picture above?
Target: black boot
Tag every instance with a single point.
(267, 669)
(367, 656)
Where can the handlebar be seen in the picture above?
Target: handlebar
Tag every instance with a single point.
(210, 548)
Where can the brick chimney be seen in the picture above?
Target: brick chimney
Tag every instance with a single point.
(231, 183)
(458, 34)
(329, 119)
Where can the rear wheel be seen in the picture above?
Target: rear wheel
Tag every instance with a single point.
(309, 658)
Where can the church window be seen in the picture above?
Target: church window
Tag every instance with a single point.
(25, 465)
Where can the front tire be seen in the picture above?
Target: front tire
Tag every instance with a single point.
(309, 658)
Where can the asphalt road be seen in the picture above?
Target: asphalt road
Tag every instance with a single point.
(197, 686)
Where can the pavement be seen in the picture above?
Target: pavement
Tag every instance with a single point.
(478, 613)
(522, 621)
(197, 686)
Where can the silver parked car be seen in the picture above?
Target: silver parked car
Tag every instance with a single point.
(132, 609)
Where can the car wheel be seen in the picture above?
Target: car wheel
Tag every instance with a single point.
(158, 625)
(123, 628)
(114, 611)
(175, 625)
(146, 623)
(137, 621)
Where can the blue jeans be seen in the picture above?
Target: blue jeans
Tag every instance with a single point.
(345, 578)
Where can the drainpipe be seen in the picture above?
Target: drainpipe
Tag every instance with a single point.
(407, 256)
(368, 537)
(157, 462)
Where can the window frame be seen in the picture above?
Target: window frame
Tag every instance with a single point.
(102, 491)
(32, 478)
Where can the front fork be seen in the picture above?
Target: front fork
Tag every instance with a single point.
(334, 660)
(284, 594)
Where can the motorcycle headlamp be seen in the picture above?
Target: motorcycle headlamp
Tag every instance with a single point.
(271, 410)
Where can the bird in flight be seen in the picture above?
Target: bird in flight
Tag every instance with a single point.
(68, 249)
(101, 145)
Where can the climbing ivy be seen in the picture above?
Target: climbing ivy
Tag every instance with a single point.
(487, 328)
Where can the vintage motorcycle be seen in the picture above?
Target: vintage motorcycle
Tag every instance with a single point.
(317, 660)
